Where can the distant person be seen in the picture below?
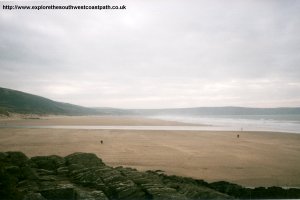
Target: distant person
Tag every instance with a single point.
(238, 135)
(101, 141)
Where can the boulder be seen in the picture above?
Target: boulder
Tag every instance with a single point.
(8, 186)
(89, 177)
(45, 172)
(14, 158)
(64, 191)
(48, 162)
(13, 170)
(90, 195)
(28, 173)
(62, 171)
(98, 195)
(86, 159)
(231, 189)
(27, 186)
(34, 196)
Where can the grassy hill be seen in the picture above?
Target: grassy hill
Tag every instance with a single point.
(24, 103)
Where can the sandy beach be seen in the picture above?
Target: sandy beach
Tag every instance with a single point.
(36, 120)
(254, 159)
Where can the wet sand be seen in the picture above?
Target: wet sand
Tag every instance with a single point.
(21, 120)
(254, 159)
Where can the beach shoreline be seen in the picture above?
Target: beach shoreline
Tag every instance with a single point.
(57, 120)
(254, 159)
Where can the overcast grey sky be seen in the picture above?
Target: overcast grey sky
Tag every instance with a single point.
(156, 53)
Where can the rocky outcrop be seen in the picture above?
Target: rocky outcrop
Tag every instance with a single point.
(47, 162)
(83, 176)
(256, 193)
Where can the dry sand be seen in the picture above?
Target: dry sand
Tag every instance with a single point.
(255, 159)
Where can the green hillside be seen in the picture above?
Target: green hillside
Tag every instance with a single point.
(19, 102)
(24, 103)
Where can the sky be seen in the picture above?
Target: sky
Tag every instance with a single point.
(155, 54)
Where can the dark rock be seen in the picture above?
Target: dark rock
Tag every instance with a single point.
(48, 178)
(87, 177)
(191, 188)
(59, 192)
(120, 186)
(34, 196)
(45, 172)
(90, 177)
(84, 176)
(99, 195)
(127, 190)
(90, 195)
(48, 162)
(256, 193)
(27, 186)
(160, 191)
(8, 186)
(231, 189)
(15, 158)
(271, 192)
(63, 171)
(276, 193)
(151, 183)
(13, 170)
(73, 167)
(259, 193)
(110, 181)
(200, 192)
(3, 156)
(86, 159)
(293, 193)
(28, 173)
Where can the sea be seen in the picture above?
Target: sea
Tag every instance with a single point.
(274, 123)
(271, 123)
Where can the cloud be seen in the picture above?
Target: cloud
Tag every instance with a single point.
(156, 54)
